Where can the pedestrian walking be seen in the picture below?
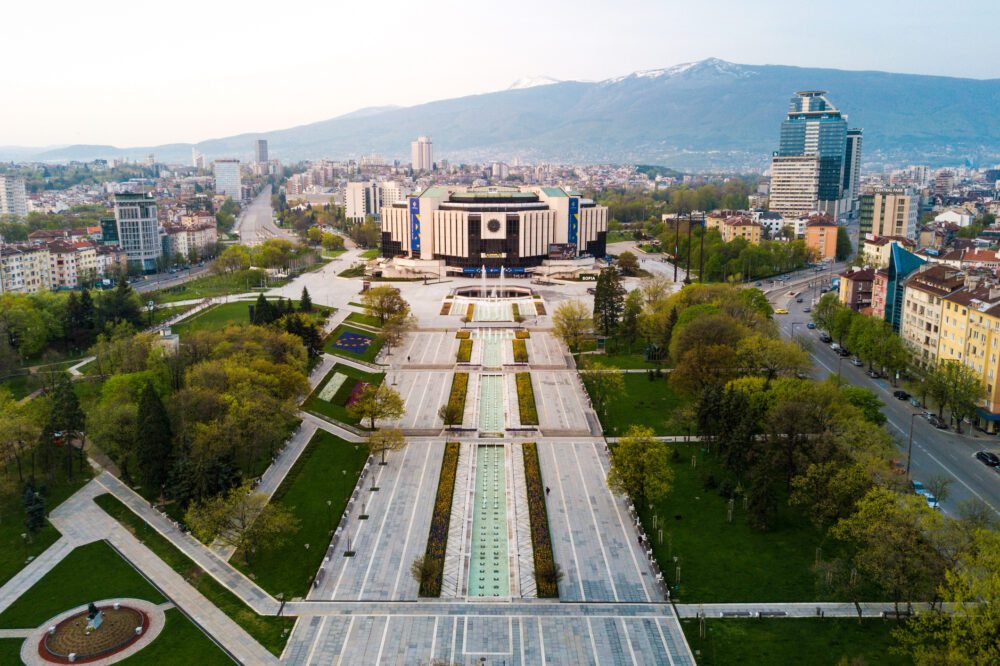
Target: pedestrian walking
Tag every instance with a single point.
(546, 491)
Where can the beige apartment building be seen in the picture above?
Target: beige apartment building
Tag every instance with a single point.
(72, 263)
(922, 306)
(889, 211)
(794, 185)
(741, 227)
(24, 269)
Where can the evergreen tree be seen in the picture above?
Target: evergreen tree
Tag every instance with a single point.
(630, 317)
(609, 301)
(121, 304)
(264, 311)
(68, 418)
(87, 318)
(305, 301)
(72, 320)
(34, 508)
(153, 447)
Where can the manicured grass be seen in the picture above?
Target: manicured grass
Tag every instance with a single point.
(160, 315)
(464, 354)
(180, 642)
(781, 641)
(520, 351)
(368, 355)
(90, 572)
(327, 470)
(445, 308)
(271, 632)
(364, 319)
(437, 538)
(459, 389)
(352, 272)
(541, 538)
(217, 285)
(10, 650)
(526, 399)
(19, 386)
(731, 562)
(623, 361)
(219, 316)
(335, 408)
(470, 311)
(15, 550)
(644, 402)
(370, 254)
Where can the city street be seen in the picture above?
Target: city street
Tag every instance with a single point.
(935, 452)
(256, 223)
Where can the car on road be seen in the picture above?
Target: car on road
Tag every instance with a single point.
(937, 422)
(857, 362)
(807, 309)
(900, 395)
(781, 311)
(825, 338)
(810, 325)
(844, 352)
(874, 374)
(915, 402)
(835, 346)
(918, 487)
(798, 300)
(932, 501)
(988, 458)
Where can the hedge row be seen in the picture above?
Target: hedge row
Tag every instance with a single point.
(437, 540)
(516, 312)
(464, 351)
(526, 399)
(446, 308)
(463, 334)
(546, 578)
(469, 311)
(539, 308)
(522, 335)
(520, 351)
(459, 388)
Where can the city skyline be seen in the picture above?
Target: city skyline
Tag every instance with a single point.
(72, 74)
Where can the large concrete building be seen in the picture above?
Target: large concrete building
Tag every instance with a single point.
(228, 180)
(260, 151)
(13, 198)
(891, 211)
(459, 230)
(922, 298)
(361, 200)
(138, 230)
(24, 269)
(794, 185)
(422, 154)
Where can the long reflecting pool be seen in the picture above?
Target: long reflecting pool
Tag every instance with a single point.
(491, 417)
(489, 566)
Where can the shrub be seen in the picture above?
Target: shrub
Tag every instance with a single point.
(437, 539)
(459, 388)
(516, 312)
(469, 311)
(526, 399)
(709, 482)
(546, 573)
(520, 351)
(464, 351)
(463, 335)
(522, 335)
(446, 308)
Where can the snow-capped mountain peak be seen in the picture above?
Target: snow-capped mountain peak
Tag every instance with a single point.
(709, 65)
(532, 82)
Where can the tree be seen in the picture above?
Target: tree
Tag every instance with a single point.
(572, 323)
(844, 249)
(305, 301)
(385, 439)
(451, 414)
(241, 518)
(602, 386)
(34, 508)
(939, 486)
(66, 417)
(384, 302)
(640, 467)
(964, 390)
(631, 311)
(153, 440)
(233, 258)
(395, 328)
(628, 264)
(378, 402)
(264, 311)
(332, 242)
(119, 305)
(829, 491)
(609, 301)
(421, 569)
(314, 235)
(771, 357)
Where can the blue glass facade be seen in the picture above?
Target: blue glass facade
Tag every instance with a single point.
(816, 127)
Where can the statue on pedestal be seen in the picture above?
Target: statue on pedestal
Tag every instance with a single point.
(95, 617)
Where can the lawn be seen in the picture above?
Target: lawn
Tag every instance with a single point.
(160, 315)
(14, 550)
(352, 344)
(335, 407)
(19, 386)
(90, 572)
(10, 650)
(217, 285)
(731, 562)
(181, 642)
(370, 254)
(364, 319)
(644, 402)
(623, 361)
(780, 641)
(327, 471)
(271, 632)
(219, 316)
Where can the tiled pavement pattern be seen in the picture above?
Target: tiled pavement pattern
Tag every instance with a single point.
(560, 402)
(456, 560)
(430, 348)
(423, 393)
(523, 551)
(545, 351)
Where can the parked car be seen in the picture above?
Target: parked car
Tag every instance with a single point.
(835, 346)
(988, 458)
(931, 501)
(810, 325)
(798, 300)
(844, 352)
(900, 395)
(915, 402)
(807, 309)
(856, 362)
(874, 374)
(825, 338)
(918, 487)
(937, 422)
(781, 311)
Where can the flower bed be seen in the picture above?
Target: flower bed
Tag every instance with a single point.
(464, 351)
(355, 393)
(526, 399)
(546, 579)
(469, 311)
(459, 389)
(516, 312)
(520, 351)
(539, 308)
(463, 335)
(332, 386)
(437, 539)
(522, 335)
(446, 308)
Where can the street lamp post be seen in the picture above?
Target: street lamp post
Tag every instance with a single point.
(329, 506)
(909, 445)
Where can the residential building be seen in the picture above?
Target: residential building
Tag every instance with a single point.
(741, 226)
(902, 264)
(110, 259)
(190, 240)
(392, 192)
(875, 252)
(362, 200)
(889, 211)
(72, 264)
(957, 216)
(923, 294)
(856, 288)
(13, 197)
(138, 230)
(228, 180)
(24, 269)
(197, 159)
(422, 154)
(260, 151)
(821, 235)
(880, 294)
(794, 185)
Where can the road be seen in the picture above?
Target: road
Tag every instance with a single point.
(935, 452)
(163, 280)
(655, 264)
(256, 222)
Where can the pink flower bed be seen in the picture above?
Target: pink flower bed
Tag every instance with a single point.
(355, 393)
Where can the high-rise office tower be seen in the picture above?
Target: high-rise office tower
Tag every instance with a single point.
(422, 154)
(227, 179)
(138, 229)
(197, 159)
(852, 169)
(13, 197)
(361, 200)
(260, 151)
(815, 127)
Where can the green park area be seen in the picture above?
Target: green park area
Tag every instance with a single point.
(271, 632)
(332, 394)
(364, 319)
(370, 254)
(623, 360)
(723, 561)
(160, 315)
(645, 401)
(315, 492)
(217, 317)
(781, 641)
(353, 342)
(236, 282)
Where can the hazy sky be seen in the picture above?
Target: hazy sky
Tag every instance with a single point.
(135, 73)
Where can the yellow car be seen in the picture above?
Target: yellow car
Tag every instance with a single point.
(781, 311)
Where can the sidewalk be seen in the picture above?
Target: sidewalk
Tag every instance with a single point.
(799, 610)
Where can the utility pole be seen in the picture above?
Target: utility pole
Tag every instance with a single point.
(909, 445)
(701, 252)
(677, 242)
(687, 276)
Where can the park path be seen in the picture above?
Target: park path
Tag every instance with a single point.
(796, 609)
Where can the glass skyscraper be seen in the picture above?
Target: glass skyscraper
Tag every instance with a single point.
(815, 127)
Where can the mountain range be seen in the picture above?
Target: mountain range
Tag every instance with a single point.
(710, 114)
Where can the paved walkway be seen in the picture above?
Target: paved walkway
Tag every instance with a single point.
(817, 609)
